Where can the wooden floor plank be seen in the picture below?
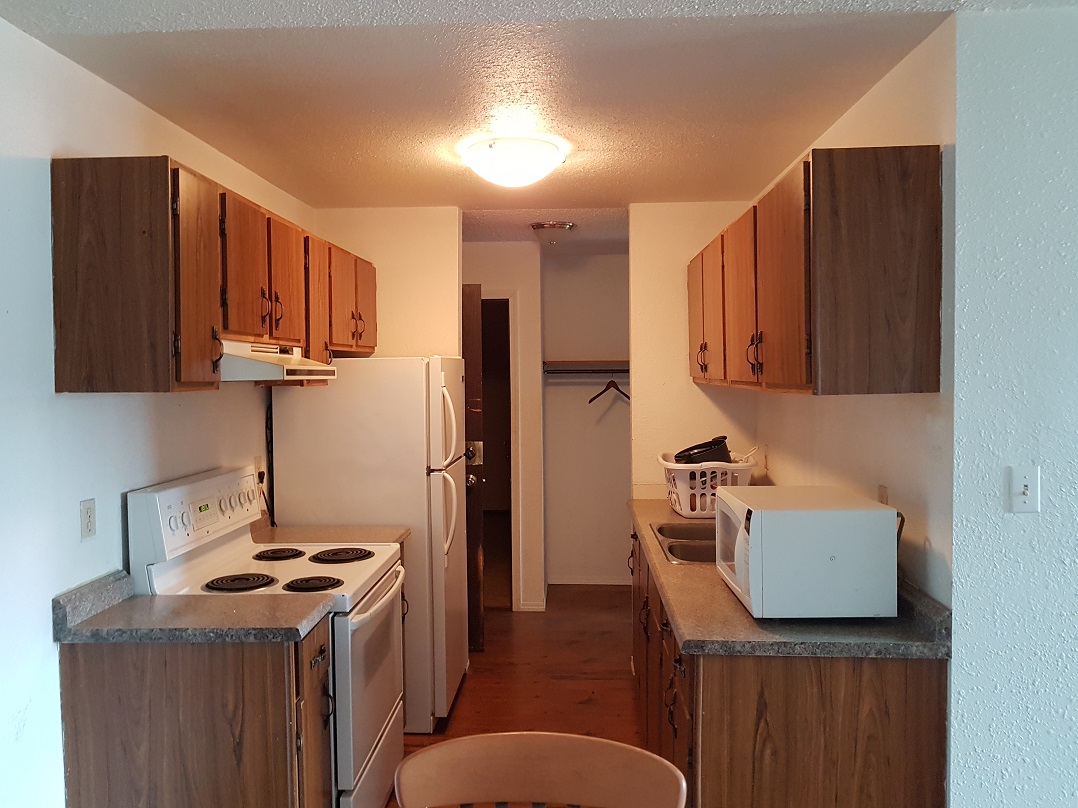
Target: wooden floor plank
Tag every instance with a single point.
(562, 670)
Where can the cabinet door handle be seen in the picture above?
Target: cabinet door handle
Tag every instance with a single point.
(278, 308)
(701, 357)
(329, 354)
(364, 328)
(266, 308)
(754, 359)
(756, 353)
(355, 324)
(215, 363)
(331, 704)
(629, 563)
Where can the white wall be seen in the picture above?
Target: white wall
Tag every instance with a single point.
(669, 412)
(1014, 735)
(510, 270)
(903, 441)
(416, 252)
(56, 450)
(586, 456)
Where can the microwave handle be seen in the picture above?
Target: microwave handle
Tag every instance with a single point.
(357, 622)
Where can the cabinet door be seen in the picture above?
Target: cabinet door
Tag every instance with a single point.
(245, 298)
(343, 323)
(197, 260)
(317, 270)
(739, 283)
(695, 277)
(313, 719)
(654, 707)
(366, 306)
(782, 285)
(714, 342)
(288, 321)
(640, 629)
(877, 269)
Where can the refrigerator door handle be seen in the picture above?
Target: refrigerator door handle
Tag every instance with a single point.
(452, 532)
(452, 413)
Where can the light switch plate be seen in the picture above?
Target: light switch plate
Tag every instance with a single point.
(88, 519)
(1025, 489)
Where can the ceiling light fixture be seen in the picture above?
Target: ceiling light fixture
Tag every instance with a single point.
(515, 160)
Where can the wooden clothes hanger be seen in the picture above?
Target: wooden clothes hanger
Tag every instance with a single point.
(610, 385)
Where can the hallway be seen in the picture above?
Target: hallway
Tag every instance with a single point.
(562, 670)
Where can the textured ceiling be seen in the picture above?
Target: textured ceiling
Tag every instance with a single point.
(347, 104)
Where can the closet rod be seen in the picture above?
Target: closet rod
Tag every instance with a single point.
(585, 366)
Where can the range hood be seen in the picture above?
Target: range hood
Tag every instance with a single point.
(255, 362)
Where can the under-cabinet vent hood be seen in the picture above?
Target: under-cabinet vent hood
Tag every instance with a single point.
(254, 362)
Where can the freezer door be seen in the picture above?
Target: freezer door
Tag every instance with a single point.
(446, 386)
(449, 575)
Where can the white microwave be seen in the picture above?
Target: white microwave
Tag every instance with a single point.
(807, 551)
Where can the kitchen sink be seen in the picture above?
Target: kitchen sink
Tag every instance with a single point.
(687, 543)
(694, 531)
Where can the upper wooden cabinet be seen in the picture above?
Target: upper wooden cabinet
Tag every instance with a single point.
(136, 276)
(739, 282)
(707, 355)
(353, 324)
(245, 297)
(844, 284)
(288, 320)
(318, 317)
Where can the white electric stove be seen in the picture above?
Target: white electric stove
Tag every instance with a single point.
(193, 537)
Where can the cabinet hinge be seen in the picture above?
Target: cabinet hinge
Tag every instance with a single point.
(175, 344)
(175, 206)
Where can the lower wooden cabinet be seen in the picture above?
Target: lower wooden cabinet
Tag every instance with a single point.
(774, 732)
(179, 724)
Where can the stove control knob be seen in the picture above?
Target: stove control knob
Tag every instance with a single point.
(173, 523)
(251, 495)
(222, 504)
(186, 519)
(232, 501)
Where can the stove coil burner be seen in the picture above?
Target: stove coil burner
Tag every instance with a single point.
(278, 554)
(342, 555)
(243, 582)
(315, 583)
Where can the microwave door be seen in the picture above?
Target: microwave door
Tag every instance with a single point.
(732, 549)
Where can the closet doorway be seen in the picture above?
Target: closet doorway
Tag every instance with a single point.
(497, 457)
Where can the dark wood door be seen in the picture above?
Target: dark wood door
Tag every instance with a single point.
(472, 331)
(782, 281)
(247, 306)
(317, 271)
(288, 321)
(343, 324)
(739, 280)
(197, 246)
(313, 719)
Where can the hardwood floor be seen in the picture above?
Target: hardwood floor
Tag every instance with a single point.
(562, 670)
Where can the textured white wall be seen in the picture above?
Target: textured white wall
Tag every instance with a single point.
(905, 441)
(416, 252)
(586, 460)
(1014, 736)
(510, 270)
(56, 450)
(669, 412)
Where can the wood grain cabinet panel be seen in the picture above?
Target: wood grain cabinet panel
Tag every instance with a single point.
(713, 311)
(739, 282)
(245, 298)
(288, 318)
(366, 306)
(343, 322)
(317, 292)
(136, 276)
(695, 282)
(175, 725)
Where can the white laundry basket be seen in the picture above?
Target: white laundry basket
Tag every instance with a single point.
(690, 487)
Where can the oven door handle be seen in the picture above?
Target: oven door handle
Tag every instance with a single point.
(357, 621)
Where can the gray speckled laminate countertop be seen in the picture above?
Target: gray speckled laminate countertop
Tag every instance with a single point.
(108, 610)
(707, 618)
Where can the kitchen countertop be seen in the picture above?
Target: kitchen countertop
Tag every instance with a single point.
(108, 610)
(707, 618)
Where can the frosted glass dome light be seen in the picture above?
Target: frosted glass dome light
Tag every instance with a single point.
(513, 160)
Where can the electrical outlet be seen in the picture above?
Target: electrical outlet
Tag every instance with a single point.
(259, 465)
(88, 519)
(881, 494)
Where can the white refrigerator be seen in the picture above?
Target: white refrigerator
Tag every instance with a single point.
(383, 444)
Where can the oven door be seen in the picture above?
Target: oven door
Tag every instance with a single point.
(368, 678)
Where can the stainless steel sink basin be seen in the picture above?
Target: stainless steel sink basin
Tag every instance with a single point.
(687, 543)
(690, 552)
(694, 531)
